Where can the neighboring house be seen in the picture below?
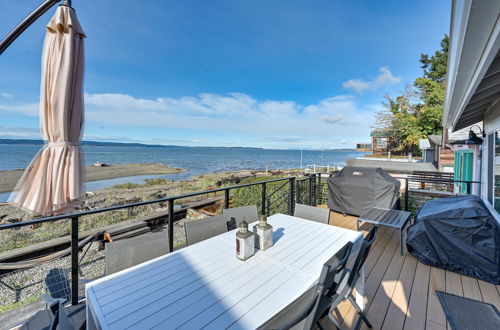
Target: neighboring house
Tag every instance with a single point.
(442, 155)
(364, 147)
(379, 143)
(473, 89)
(431, 149)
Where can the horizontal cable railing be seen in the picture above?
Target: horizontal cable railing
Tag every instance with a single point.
(68, 231)
(418, 190)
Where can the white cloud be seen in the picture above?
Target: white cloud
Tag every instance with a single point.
(9, 132)
(6, 95)
(29, 109)
(272, 123)
(234, 112)
(333, 120)
(286, 139)
(384, 79)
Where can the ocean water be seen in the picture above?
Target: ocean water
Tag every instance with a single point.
(195, 160)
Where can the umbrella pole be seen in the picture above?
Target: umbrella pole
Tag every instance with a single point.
(30, 19)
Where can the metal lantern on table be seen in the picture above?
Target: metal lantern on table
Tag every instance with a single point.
(244, 242)
(263, 234)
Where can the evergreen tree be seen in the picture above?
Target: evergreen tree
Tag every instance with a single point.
(418, 112)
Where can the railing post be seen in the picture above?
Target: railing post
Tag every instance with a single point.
(311, 191)
(268, 206)
(74, 260)
(406, 194)
(297, 192)
(171, 224)
(226, 198)
(291, 196)
(469, 186)
(263, 199)
(317, 177)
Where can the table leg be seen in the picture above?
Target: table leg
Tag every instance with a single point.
(360, 289)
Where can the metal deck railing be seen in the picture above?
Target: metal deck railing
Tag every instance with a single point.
(271, 196)
(68, 230)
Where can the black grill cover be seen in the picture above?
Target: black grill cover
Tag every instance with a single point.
(354, 190)
(457, 234)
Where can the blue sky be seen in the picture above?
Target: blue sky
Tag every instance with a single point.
(273, 74)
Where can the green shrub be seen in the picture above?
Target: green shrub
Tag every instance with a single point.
(127, 185)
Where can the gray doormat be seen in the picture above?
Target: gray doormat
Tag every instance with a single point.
(467, 314)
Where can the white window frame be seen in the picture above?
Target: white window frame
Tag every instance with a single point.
(381, 142)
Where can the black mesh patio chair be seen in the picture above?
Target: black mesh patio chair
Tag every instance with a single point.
(197, 231)
(313, 306)
(312, 213)
(133, 251)
(249, 213)
(58, 287)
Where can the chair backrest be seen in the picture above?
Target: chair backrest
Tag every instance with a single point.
(133, 251)
(238, 213)
(312, 213)
(312, 306)
(332, 274)
(197, 231)
(58, 284)
(366, 245)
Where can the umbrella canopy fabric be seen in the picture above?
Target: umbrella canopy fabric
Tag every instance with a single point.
(53, 183)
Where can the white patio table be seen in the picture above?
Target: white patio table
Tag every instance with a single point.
(206, 286)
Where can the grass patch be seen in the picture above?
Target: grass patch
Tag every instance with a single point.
(11, 306)
(127, 185)
(147, 183)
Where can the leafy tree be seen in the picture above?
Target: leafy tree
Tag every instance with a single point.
(418, 112)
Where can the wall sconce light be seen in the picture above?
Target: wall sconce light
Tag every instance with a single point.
(473, 138)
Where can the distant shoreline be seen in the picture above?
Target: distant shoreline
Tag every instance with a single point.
(9, 178)
(36, 142)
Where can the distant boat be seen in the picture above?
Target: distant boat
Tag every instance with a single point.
(99, 164)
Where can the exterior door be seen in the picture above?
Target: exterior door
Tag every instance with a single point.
(463, 169)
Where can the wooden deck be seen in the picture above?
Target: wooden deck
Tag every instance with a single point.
(400, 290)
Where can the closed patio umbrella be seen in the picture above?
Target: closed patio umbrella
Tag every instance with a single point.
(53, 182)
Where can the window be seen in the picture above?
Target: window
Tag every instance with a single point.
(490, 168)
(381, 142)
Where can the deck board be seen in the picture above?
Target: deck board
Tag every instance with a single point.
(396, 313)
(382, 299)
(471, 288)
(417, 307)
(400, 291)
(453, 286)
(489, 293)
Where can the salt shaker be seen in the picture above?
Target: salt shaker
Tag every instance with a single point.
(263, 234)
(244, 242)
